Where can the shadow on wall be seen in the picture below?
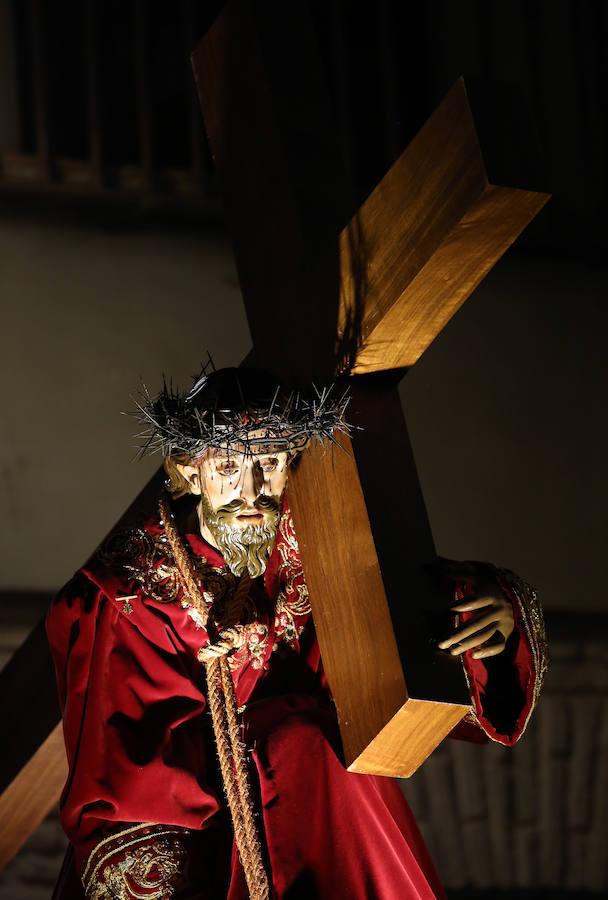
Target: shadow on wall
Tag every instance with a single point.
(88, 312)
(505, 416)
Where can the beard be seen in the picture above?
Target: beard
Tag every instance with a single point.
(244, 547)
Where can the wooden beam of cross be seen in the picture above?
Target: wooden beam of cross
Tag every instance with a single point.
(325, 286)
(327, 290)
(34, 766)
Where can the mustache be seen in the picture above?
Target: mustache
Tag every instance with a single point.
(244, 547)
(264, 503)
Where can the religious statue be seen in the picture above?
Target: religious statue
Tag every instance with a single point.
(203, 744)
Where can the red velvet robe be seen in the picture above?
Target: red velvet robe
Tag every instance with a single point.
(143, 805)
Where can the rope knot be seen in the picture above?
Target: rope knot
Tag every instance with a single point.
(229, 639)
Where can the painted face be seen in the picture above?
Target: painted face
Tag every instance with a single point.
(245, 482)
(241, 492)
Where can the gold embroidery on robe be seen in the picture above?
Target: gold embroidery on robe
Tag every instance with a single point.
(292, 603)
(144, 861)
(145, 559)
(531, 614)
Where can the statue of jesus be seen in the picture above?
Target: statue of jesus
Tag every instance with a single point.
(204, 753)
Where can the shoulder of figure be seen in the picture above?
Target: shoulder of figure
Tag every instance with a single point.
(115, 570)
(132, 563)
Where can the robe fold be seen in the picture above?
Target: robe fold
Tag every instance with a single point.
(143, 806)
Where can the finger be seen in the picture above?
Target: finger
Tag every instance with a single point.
(471, 628)
(477, 603)
(474, 641)
(489, 651)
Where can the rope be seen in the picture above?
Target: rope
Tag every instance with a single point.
(222, 703)
(182, 559)
(230, 637)
(238, 751)
(223, 740)
(238, 603)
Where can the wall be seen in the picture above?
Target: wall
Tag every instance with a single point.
(86, 313)
(507, 418)
(504, 408)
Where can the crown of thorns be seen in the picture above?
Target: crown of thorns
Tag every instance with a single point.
(238, 409)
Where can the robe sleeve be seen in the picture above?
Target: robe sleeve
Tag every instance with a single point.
(505, 688)
(137, 786)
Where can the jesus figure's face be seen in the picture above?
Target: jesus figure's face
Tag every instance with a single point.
(239, 510)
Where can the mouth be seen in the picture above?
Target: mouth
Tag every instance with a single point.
(251, 518)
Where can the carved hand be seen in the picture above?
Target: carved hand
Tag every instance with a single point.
(489, 631)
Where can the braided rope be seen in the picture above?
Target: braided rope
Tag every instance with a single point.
(222, 703)
(216, 697)
(238, 751)
(182, 559)
(238, 602)
(230, 637)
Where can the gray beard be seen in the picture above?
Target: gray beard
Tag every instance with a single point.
(243, 547)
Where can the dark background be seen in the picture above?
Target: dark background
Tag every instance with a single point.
(535, 72)
(115, 264)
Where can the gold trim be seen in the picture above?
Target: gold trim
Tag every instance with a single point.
(150, 831)
(525, 599)
(534, 625)
(124, 880)
(114, 837)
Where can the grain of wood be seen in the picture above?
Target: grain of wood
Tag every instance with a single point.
(525, 764)
(495, 768)
(32, 794)
(596, 858)
(470, 790)
(583, 716)
(525, 856)
(444, 815)
(553, 730)
(477, 854)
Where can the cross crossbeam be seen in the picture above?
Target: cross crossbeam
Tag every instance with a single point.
(424, 239)
(354, 291)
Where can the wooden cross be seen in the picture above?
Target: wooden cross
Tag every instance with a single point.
(326, 287)
(330, 289)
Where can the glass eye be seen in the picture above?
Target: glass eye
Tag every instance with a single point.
(228, 470)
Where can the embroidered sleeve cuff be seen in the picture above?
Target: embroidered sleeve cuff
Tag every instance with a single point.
(143, 861)
(505, 688)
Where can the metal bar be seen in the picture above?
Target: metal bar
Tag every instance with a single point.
(43, 143)
(143, 94)
(74, 178)
(93, 75)
(198, 165)
(387, 71)
(342, 93)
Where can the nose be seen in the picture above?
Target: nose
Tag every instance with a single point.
(253, 478)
